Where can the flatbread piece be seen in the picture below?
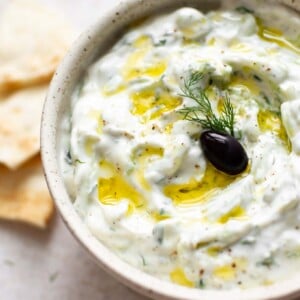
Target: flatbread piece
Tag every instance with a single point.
(20, 115)
(33, 40)
(24, 195)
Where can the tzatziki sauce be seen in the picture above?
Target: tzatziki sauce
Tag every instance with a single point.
(135, 169)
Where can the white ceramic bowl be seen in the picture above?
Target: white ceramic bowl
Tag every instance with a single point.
(92, 44)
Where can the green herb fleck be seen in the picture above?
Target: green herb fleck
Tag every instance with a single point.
(53, 276)
(9, 262)
(267, 99)
(160, 43)
(158, 234)
(257, 77)
(267, 262)
(68, 157)
(79, 161)
(247, 242)
(130, 170)
(201, 284)
(244, 10)
(162, 212)
(80, 88)
(143, 260)
(293, 254)
(202, 113)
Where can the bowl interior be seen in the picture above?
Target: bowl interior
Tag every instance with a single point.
(89, 46)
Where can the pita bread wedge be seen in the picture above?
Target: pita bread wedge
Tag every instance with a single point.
(20, 115)
(24, 195)
(33, 40)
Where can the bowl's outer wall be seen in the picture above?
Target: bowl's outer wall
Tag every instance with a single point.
(91, 45)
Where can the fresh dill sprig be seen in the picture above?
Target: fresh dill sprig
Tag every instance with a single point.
(203, 113)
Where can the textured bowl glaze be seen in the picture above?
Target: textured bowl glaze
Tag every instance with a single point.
(90, 45)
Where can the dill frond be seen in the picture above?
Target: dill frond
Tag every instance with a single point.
(202, 112)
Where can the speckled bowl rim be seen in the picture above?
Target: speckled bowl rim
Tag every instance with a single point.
(92, 43)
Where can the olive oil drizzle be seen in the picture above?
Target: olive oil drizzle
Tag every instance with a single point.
(113, 188)
(152, 102)
(178, 276)
(194, 191)
(275, 36)
(135, 65)
(271, 121)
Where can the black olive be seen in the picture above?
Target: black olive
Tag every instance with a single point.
(224, 152)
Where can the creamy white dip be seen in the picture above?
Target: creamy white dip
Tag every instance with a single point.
(134, 166)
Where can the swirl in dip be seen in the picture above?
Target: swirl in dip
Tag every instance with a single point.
(136, 171)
